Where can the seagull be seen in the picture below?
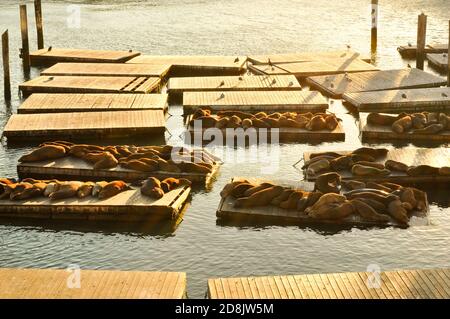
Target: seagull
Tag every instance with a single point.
(49, 48)
(49, 79)
(404, 96)
(236, 60)
(222, 83)
(409, 44)
(408, 65)
(274, 81)
(240, 78)
(444, 95)
(348, 46)
(331, 85)
(268, 61)
(290, 83)
(222, 96)
(130, 50)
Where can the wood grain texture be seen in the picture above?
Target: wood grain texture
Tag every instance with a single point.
(439, 61)
(194, 61)
(409, 51)
(305, 57)
(16, 283)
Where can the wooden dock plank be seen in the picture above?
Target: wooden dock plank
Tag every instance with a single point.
(372, 132)
(79, 102)
(255, 101)
(305, 57)
(439, 61)
(339, 84)
(18, 283)
(90, 84)
(55, 55)
(397, 101)
(410, 50)
(129, 205)
(80, 125)
(107, 69)
(404, 284)
(436, 157)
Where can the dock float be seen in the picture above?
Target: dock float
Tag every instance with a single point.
(16, 283)
(90, 84)
(305, 57)
(436, 157)
(337, 85)
(397, 101)
(439, 61)
(130, 206)
(276, 101)
(80, 102)
(46, 57)
(314, 68)
(395, 284)
(410, 51)
(197, 65)
(89, 125)
(372, 132)
(108, 69)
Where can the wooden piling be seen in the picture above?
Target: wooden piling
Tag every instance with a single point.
(25, 51)
(374, 30)
(448, 56)
(39, 27)
(5, 58)
(421, 38)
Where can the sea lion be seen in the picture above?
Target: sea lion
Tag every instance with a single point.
(98, 187)
(222, 122)
(271, 122)
(391, 186)
(66, 147)
(289, 122)
(247, 123)
(402, 125)
(321, 203)
(362, 158)
(367, 212)
(107, 161)
(6, 181)
(51, 188)
(361, 170)
(398, 212)
(333, 211)
(317, 167)
(371, 164)
(291, 202)
(201, 113)
(317, 123)
(408, 196)
(331, 122)
(239, 190)
(282, 197)
(241, 115)
(168, 166)
(396, 166)
(171, 183)
(331, 154)
(204, 122)
(275, 115)
(430, 129)
(112, 189)
(302, 120)
(313, 197)
(302, 203)
(257, 188)
(85, 190)
(123, 150)
(258, 123)
(378, 186)
(376, 205)
(352, 184)
(27, 193)
(194, 168)
(44, 153)
(6, 190)
(422, 170)
(372, 152)
(328, 183)
(152, 187)
(261, 115)
(316, 159)
(341, 163)
(444, 171)
(385, 199)
(260, 198)
(234, 122)
(432, 118)
(140, 166)
(226, 191)
(419, 120)
(66, 190)
(421, 199)
(381, 119)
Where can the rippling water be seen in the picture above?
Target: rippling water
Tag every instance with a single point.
(200, 246)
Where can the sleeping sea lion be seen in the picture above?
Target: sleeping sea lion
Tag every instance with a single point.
(333, 211)
(172, 183)
(331, 154)
(367, 212)
(289, 122)
(378, 186)
(341, 163)
(381, 119)
(85, 190)
(98, 187)
(317, 167)
(226, 191)
(51, 187)
(396, 166)
(385, 199)
(316, 159)
(247, 123)
(313, 197)
(282, 197)
(258, 123)
(112, 189)
(331, 122)
(317, 123)
(372, 152)
(292, 201)
(106, 161)
(222, 122)
(430, 129)
(66, 190)
(271, 122)
(194, 168)
(352, 184)
(168, 166)
(239, 190)
(140, 166)
(379, 207)
(275, 115)
(201, 113)
(204, 122)
(360, 170)
(402, 125)
(240, 114)
(261, 115)
(234, 122)
(260, 198)
(151, 187)
(391, 186)
(322, 203)
(444, 171)
(422, 170)
(419, 120)
(44, 153)
(371, 164)
(328, 183)
(257, 188)
(362, 158)
(398, 212)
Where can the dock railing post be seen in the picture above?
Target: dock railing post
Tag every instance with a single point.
(25, 51)
(374, 29)
(448, 56)
(421, 38)
(39, 27)
(5, 59)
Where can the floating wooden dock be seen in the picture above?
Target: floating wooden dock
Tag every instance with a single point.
(56, 55)
(439, 61)
(197, 65)
(314, 68)
(437, 157)
(384, 133)
(305, 57)
(90, 84)
(226, 210)
(18, 283)
(337, 85)
(410, 51)
(276, 101)
(129, 205)
(69, 168)
(79, 125)
(80, 102)
(108, 69)
(396, 284)
(397, 101)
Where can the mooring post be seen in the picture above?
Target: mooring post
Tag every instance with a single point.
(25, 51)
(5, 58)
(374, 30)
(448, 56)
(421, 37)
(38, 17)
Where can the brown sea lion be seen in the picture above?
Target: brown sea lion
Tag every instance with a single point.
(422, 170)
(6, 181)
(421, 199)
(66, 190)
(331, 122)
(316, 159)
(271, 122)
(371, 164)
(352, 184)
(234, 122)
(378, 186)
(367, 212)
(398, 212)
(313, 197)
(194, 168)
(291, 202)
(376, 205)
(341, 163)
(171, 183)
(331, 154)
(201, 113)
(362, 158)
(381, 119)
(322, 203)
(302, 203)
(6, 190)
(372, 152)
(333, 211)
(85, 190)
(240, 114)
(391, 186)
(98, 187)
(112, 189)
(151, 187)
(317, 167)
(282, 197)
(396, 166)
(222, 122)
(66, 147)
(317, 123)
(44, 153)
(258, 123)
(419, 120)
(204, 121)
(107, 161)
(247, 123)
(93, 157)
(260, 198)
(26, 193)
(385, 199)
(408, 196)
(261, 115)
(302, 120)
(432, 118)
(124, 151)
(257, 188)
(360, 170)
(289, 122)
(239, 190)
(275, 115)
(430, 129)
(51, 187)
(168, 166)
(328, 183)
(140, 166)
(226, 191)
(444, 171)
(402, 125)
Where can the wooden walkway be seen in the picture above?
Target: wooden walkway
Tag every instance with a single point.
(55, 55)
(275, 101)
(337, 85)
(94, 284)
(397, 284)
(410, 51)
(315, 68)
(438, 61)
(108, 69)
(73, 102)
(90, 84)
(397, 101)
(91, 125)
(305, 57)
(437, 157)
(127, 206)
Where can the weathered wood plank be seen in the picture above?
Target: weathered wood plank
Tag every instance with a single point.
(305, 57)
(439, 61)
